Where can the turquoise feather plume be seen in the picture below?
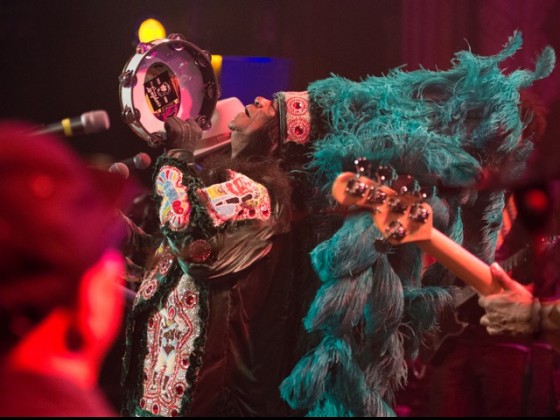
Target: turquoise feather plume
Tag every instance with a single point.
(374, 306)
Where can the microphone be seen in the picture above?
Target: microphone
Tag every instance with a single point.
(120, 168)
(88, 123)
(139, 161)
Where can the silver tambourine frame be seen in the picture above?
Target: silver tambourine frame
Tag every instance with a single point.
(167, 77)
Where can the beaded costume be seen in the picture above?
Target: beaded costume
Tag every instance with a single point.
(210, 323)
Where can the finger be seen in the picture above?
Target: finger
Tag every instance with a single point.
(493, 330)
(483, 302)
(506, 281)
(174, 129)
(173, 122)
(497, 301)
(195, 129)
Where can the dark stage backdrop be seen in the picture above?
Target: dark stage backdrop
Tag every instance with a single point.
(60, 58)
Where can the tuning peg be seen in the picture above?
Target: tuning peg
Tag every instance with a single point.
(356, 188)
(397, 206)
(376, 196)
(419, 213)
(396, 231)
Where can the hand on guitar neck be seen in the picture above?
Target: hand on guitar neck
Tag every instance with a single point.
(517, 311)
(403, 217)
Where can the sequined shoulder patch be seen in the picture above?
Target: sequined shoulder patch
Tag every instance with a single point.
(175, 207)
(240, 198)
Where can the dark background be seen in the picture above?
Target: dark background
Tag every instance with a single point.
(62, 58)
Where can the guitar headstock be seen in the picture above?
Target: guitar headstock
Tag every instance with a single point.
(400, 214)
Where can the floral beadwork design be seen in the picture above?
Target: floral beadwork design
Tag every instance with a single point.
(240, 198)
(175, 206)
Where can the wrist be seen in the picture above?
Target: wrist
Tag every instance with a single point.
(183, 155)
(550, 316)
(535, 319)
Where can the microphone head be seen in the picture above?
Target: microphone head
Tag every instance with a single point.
(120, 168)
(95, 121)
(142, 161)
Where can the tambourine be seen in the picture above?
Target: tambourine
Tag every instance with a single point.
(164, 78)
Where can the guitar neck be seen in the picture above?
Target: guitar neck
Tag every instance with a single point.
(459, 261)
(404, 217)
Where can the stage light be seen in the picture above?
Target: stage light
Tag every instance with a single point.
(151, 29)
(537, 200)
(534, 205)
(217, 64)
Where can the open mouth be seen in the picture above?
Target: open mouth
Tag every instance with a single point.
(247, 111)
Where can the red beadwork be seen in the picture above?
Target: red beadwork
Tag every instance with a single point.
(298, 119)
(177, 207)
(142, 403)
(166, 387)
(298, 130)
(297, 104)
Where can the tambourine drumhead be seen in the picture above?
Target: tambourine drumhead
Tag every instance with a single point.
(163, 78)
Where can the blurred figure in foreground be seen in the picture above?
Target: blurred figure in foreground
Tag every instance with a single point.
(60, 300)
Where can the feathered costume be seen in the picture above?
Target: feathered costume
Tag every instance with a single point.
(374, 305)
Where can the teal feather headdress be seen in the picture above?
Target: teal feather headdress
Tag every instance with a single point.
(444, 128)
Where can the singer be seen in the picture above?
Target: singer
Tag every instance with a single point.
(213, 321)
